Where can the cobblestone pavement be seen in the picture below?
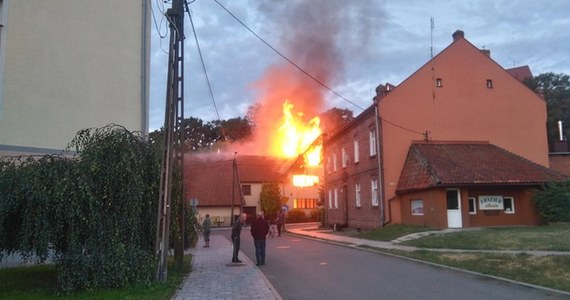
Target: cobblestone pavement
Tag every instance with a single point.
(214, 276)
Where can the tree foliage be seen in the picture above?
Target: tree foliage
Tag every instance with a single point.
(555, 88)
(335, 118)
(94, 215)
(270, 199)
(553, 202)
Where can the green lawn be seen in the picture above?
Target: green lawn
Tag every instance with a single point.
(548, 271)
(40, 282)
(549, 238)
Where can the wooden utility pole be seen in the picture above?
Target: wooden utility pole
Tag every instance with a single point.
(173, 139)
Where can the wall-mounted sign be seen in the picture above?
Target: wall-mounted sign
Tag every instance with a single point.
(491, 202)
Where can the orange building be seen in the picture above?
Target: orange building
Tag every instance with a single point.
(460, 107)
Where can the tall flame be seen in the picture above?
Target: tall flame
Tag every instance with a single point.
(295, 136)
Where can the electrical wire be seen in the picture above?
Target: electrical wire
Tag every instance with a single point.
(205, 72)
(306, 73)
(287, 59)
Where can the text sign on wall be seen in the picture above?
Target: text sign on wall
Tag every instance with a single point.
(491, 202)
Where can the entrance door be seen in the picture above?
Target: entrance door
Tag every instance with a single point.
(454, 209)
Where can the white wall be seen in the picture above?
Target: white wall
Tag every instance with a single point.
(70, 65)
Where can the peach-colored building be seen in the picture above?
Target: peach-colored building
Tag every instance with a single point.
(461, 96)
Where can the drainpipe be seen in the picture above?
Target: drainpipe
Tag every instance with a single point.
(380, 190)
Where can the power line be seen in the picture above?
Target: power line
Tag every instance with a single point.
(205, 72)
(286, 58)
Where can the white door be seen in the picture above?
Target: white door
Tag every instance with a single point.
(454, 209)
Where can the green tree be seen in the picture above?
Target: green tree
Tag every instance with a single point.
(235, 129)
(553, 202)
(555, 88)
(95, 215)
(270, 199)
(335, 118)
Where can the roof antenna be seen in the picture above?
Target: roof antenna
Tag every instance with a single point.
(432, 26)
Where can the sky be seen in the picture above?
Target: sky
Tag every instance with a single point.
(349, 46)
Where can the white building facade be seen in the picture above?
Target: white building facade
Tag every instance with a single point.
(67, 65)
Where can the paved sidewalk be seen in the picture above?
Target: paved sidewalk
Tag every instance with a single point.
(213, 275)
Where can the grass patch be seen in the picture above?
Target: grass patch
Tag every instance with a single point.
(40, 282)
(387, 233)
(547, 271)
(547, 238)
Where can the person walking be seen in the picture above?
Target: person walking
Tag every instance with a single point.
(259, 231)
(236, 232)
(206, 227)
(280, 221)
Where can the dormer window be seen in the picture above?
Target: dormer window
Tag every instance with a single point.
(489, 83)
(438, 82)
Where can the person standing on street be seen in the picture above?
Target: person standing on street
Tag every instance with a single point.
(280, 221)
(206, 227)
(259, 231)
(236, 232)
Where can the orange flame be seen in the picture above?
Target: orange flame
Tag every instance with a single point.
(295, 137)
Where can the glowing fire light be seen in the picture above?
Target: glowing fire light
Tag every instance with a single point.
(296, 137)
(305, 180)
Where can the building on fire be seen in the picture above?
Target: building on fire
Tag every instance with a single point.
(460, 143)
(224, 186)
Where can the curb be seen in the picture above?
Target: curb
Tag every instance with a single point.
(379, 251)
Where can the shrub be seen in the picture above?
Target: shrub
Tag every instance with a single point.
(553, 202)
(296, 216)
(96, 213)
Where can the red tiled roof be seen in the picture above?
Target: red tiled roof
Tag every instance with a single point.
(212, 181)
(520, 73)
(458, 164)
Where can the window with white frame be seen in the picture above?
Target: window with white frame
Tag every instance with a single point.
(374, 190)
(330, 198)
(334, 161)
(329, 164)
(344, 157)
(372, 138)
(509, 205)
(356, 151)
(357, 194)
(336, 198)
(417, 206)
(472, 205)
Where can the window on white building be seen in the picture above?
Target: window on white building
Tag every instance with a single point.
(509, 204)
(372, 138)
(357, 194)
(374, 190)
(356, 151)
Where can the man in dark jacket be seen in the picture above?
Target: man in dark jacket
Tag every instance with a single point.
(259, 230)
(236, 232)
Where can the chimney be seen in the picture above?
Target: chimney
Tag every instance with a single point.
(487, 52)
(458, 34)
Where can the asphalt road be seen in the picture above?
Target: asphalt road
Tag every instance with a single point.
(301, 268)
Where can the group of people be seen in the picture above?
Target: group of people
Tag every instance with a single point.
(259, 232)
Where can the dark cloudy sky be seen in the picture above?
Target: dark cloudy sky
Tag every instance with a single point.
(349, 45)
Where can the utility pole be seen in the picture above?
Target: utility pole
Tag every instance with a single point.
(173, 137)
